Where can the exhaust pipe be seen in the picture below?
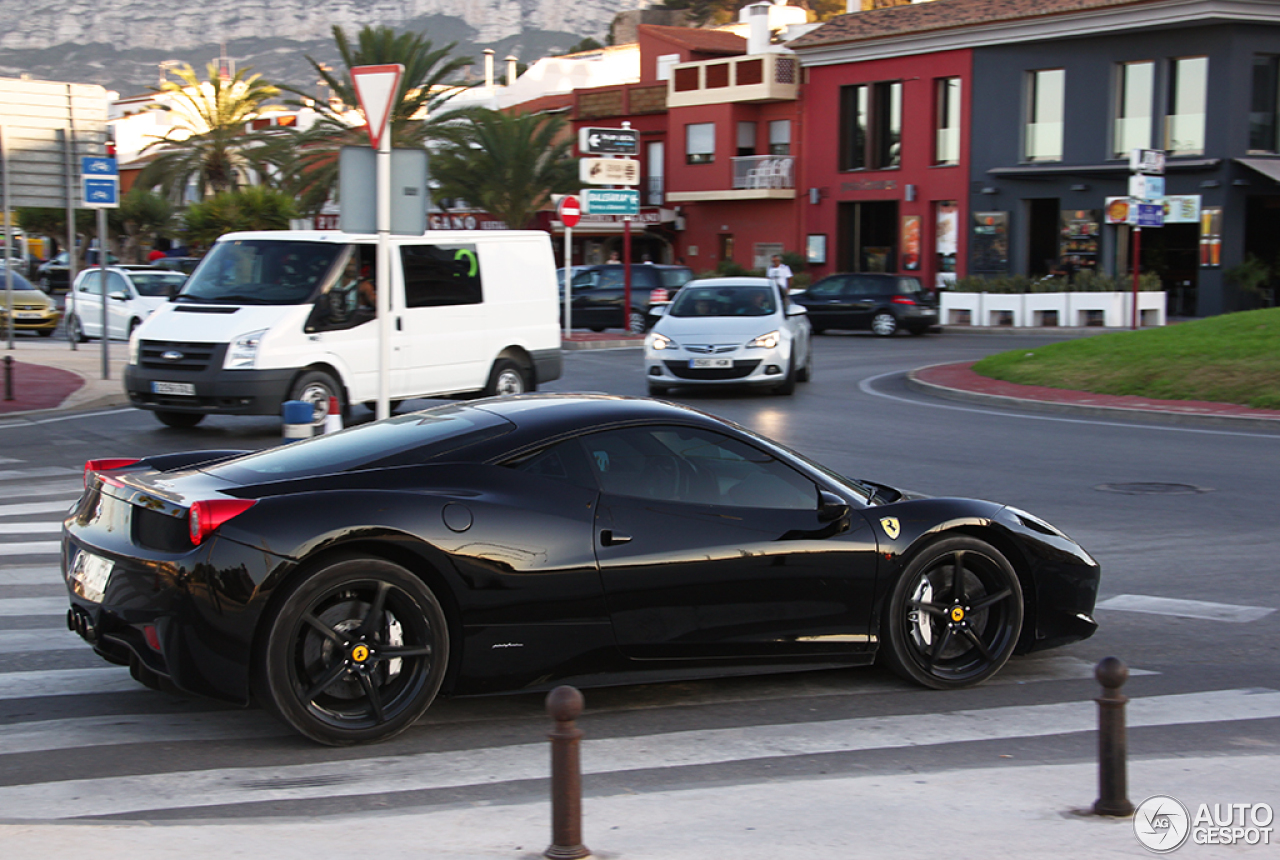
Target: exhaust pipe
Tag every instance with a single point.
(79, 621)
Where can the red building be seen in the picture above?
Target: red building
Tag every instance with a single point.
(886, 157)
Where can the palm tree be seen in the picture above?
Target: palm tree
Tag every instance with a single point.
(144, 215)
(253, 208)
(425, 87)
(209, 139)
(507, 164)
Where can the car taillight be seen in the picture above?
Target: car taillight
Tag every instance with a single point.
(106, 465)
(902, 300)
(206, 516)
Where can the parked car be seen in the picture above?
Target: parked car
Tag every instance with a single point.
(512, 543)
(133, 292)
(186, 265)
(729, 331)
(32, 309)
(598, 294)
(53, 275)
(881, 303)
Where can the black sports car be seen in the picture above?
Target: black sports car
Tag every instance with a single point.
(513, 543)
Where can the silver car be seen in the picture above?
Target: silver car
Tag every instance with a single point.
(729, 331)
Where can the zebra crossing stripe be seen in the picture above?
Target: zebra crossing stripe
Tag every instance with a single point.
(348, 778)
(20, 510)
(38, 528)
(69, 682)
(31, 547)
(15, 607)
(48, 574)
(31, 641)
(37, 472)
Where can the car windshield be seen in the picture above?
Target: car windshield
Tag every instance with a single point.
(19, 282)
(157, 284)
(403, 440)
(262, 271)
(674, 278)
(695, 301)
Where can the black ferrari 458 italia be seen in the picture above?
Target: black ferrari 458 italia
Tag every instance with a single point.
(515, 543)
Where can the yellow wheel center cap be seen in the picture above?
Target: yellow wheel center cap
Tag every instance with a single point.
(360, 653)
(957, 614)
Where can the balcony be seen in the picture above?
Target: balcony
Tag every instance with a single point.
(755, 177)
(756, 78)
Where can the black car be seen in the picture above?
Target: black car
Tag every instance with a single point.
(881, 303)
(598, 293)
(514, 543)
(55, 274)
(186, 265)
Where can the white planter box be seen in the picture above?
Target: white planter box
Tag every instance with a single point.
(1074, 310)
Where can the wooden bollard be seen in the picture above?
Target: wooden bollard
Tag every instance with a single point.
(1113, 744)
(564, 704)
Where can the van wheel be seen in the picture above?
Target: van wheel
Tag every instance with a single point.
(507, 377)
(179, 420)
(75, 331)
(316, 387)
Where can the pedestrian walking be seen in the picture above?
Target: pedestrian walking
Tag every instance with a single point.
(779, 273)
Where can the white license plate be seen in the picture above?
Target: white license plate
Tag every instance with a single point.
(187, 389)
(28, 315)
(711, 362)
(89, 574)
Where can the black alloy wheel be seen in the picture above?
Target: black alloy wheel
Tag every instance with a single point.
(954, 616)
(354, 652)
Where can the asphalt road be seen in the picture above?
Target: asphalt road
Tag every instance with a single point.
(1182, 519)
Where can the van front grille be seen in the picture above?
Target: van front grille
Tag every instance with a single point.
(179, 355)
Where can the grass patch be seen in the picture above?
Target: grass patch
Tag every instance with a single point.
(1233, 358)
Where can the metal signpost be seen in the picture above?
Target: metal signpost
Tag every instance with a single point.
(1146, 190)
(570, 213)
(100, 189)
(622, 170)
(377, 88)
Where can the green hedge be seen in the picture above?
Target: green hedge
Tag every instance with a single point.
(1084, 282)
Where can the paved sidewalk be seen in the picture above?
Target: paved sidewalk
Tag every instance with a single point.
(47, 374)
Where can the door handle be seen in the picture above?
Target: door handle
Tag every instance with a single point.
(608, 537)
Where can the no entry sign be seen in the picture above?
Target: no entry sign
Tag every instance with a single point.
(570, 211)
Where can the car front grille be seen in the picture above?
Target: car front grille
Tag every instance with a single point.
(740, 370)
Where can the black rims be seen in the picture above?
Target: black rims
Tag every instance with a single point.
(954, 616)
(354, 653)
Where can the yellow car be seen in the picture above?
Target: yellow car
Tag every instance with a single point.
(32, 309)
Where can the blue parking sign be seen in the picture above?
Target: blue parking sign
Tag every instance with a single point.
(101, 193)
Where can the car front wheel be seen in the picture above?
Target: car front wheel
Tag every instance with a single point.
(506, 377)
(954, 615)
(884, 324)
(354, 652)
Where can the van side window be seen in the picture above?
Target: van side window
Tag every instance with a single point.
(438, 275)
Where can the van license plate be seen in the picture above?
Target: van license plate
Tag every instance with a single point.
(711, 362)
(186, 389)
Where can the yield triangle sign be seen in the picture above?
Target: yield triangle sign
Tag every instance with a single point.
(376, 88)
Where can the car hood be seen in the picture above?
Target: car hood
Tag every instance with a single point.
(716, 329)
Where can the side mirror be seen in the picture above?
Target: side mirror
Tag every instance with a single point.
(831, 507)
(658, 310)
(119, 296)
(796, 310)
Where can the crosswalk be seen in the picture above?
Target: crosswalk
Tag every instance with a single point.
(129, 744)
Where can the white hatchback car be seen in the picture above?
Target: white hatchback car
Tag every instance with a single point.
(132, 294)
(729, 331)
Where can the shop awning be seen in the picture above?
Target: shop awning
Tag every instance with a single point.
(1268, 167)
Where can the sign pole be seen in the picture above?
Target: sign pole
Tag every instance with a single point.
(1137, 262)
(568, 280)
(102, 284)
(626, 269)
(8, 232)
(383, 284)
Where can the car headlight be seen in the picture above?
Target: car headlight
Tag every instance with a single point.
(660, 341)
(766, 341)
(243, 351)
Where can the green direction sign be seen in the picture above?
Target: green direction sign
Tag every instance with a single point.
(610, 201)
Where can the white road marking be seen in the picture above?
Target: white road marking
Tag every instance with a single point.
(36, 472)
(40, 528)
(14, 607)
(75, 416)
(1185, 608)
(117, 795)
(49, 639)
(68, 682)
(71, 489)
(35, 575)
(36, 508)
(39, 547)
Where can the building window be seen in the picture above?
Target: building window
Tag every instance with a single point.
(1184, 129)
(746, 138)
(1134, 100)
(1263, 103)
(780, 137)
(946, 148)
(1046, 88)
(700, 143)
(871, 126)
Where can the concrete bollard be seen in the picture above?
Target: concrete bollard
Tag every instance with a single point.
(1113, 744)
(299, 418)
(8, 377)
(564, 704)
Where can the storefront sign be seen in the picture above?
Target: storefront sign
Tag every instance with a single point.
(464, 221)
(1178, 209)
(911, 242)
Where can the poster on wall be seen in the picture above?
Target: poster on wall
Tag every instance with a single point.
(1078, 242)
(990, 242)
(911, 242)
(815, 250)
(1211, 236)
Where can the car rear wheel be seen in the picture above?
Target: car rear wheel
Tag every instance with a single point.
(954, 616)
(179, 420)
(506, 377)
(884, 324)
(75, 331)
(354, 652)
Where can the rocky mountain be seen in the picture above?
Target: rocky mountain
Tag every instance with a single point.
(122, 44)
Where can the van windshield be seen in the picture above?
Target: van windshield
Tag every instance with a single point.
(261, 272)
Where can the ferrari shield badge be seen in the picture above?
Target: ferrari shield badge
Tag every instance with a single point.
(891, 527)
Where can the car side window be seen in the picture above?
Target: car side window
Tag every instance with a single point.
(694, 466)
(565, 461)
(92, 283)
(116, 284)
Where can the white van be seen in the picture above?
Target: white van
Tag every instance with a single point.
(288, 315)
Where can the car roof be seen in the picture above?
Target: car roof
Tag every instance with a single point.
(549, 414)
(730, 282)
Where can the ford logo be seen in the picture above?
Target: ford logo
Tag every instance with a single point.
(172, 355)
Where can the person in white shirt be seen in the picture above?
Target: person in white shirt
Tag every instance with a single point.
(780, 274)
